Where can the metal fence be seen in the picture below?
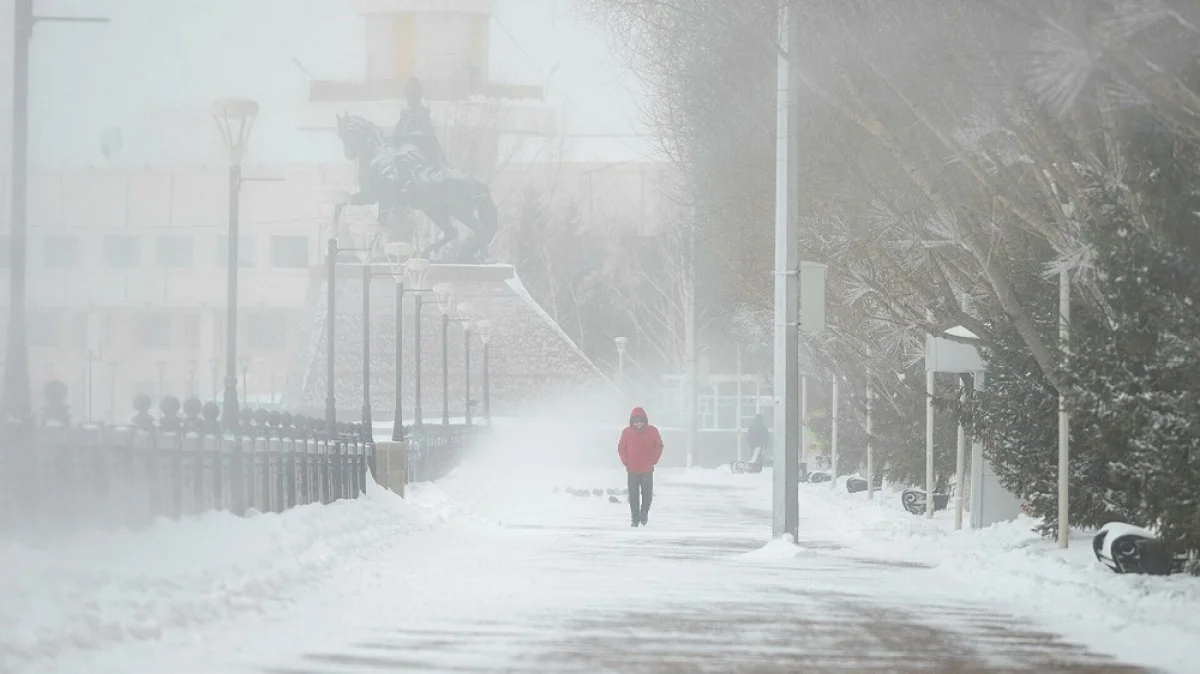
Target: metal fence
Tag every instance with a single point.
(434, 450)
(176, 462)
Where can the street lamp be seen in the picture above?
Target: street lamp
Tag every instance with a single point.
(396, 254)
(16, 402)
(192, 365)
(162, 372)
(484, 328)
(112, 391)
(235, 119)
(622, 342)
(444, 292)
(92, 357)
(464, 315)
(399, 256)
(415, 268)
(335, 200)
(245, 363)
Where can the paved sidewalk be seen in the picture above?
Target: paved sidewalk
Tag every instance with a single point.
(678, 596)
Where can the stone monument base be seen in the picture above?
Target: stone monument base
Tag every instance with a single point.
(390, 465)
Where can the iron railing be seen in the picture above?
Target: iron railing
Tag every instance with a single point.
(176, 463)
(435, 449)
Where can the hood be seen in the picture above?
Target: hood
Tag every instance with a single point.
(638, 412)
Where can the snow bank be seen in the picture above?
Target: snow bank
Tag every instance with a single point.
(95, 590)
(1152, 620)
(780, 548)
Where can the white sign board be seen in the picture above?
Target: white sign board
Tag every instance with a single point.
(812, 297)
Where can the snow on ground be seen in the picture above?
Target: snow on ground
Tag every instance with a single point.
(95, 590)
(499, 539)
(1145, 619)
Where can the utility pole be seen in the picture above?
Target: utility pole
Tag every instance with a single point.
(737, 357)
(1064, 417)
(17, 404)
(787, 285)
(693, 355)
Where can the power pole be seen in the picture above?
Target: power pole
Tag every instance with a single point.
(1064, 417)
(16, 403)
(693, 356)
(787, 286)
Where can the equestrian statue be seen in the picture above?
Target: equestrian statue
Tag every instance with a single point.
(409, 170)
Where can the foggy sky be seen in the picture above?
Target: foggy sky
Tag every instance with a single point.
(156, 68)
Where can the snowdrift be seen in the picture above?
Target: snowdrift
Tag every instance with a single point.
(95, 590)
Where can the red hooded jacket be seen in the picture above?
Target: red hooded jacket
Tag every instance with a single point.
(640, 449)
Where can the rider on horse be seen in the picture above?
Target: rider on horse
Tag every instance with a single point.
(416, 125)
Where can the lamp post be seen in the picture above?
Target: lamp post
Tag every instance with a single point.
(16, 402)
(484, 328)
(464, 315)
(235, 119)
(112, 391)
(416, 268)
(870, 448)
(162, 372)
(622, 343)
(244, 362)
(444, 292)
(368, 425)
(409, 275)
(212, 366)
(335, 200)
(395, 254)
(192, 365)
(91, 361)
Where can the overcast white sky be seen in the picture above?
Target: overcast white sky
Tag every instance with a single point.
(156, 68)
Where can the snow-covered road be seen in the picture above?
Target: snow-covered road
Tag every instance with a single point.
(495, 571)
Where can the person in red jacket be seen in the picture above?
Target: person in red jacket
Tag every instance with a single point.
(640, 449)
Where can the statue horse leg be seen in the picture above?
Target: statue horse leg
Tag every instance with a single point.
(479, 215)
(441, 218)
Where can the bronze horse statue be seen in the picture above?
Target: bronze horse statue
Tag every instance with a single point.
(396, 175)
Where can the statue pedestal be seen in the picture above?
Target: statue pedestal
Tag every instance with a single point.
(390, 463)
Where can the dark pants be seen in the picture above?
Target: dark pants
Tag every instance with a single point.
(641, 493)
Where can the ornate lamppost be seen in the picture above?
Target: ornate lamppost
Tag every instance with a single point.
(464, 314)
(444, 292)
(409, 275)
(484, 328)
(416, 268)
(162, 373)
(235, 119)
(621, 342)
(334, 200)
(192, 391)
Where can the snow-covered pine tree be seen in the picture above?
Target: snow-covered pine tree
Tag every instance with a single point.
(1137, 369)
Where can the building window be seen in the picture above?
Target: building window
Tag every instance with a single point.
(289, 252)
(42, 327)
(191, 331)
(247, 251)
(267, 330)
(5, 259)
(154, 330)
(173, 251)
(61, 252)
(122, 251)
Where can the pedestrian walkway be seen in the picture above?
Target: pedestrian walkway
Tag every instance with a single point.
(591, 594)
